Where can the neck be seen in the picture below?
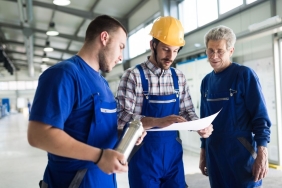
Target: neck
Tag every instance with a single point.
(90, 56)
(222, 69)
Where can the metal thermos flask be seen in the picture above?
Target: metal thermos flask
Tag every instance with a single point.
(129, 138)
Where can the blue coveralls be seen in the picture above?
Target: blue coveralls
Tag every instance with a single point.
(231, 148)
(158, 162)
(94, 122)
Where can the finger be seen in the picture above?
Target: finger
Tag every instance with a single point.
(256, 176)
(202, 170)
(206, 171)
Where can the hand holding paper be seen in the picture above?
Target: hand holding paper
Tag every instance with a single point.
(190, 125)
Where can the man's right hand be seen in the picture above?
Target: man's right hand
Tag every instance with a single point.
(150, 122)
(112, 162)
(202, 163)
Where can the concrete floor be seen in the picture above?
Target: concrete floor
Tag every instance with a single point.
(22, 165)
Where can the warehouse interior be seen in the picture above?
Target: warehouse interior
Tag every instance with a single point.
(26, 51)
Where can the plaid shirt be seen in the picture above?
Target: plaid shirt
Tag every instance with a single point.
(130, 92)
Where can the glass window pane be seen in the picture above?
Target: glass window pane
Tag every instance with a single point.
(188, 15)
(35, 83)
(12, 85)
(20, 85)
(147, 37)
(207, 11)
(29, 85)
(250, 1)
(136, 43)
(225, 6)
(4, 86)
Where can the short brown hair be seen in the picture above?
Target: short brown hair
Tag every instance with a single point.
(100, 24)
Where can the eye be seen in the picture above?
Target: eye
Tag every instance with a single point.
(220, 52)
(210, 51)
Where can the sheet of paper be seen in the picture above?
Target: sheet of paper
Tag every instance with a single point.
(189, 125)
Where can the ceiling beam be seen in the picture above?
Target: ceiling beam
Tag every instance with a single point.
(22, 53)
(66, 36)
(80, 13)
(39, 46)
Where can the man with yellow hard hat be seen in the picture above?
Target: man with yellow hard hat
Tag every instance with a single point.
(158, 95)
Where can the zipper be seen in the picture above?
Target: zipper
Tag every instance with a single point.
(219, 99)
(232, 92)
(104, 110)
(166, 101)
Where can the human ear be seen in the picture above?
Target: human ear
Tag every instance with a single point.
(104, 36)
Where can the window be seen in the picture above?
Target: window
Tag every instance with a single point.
(206, 11)
(139, 42)
(147, 37)
(225, 6)
(18, 85)
(196, 13)
(4, 86)
(12, 85)
(188, 12)
(250, 1)
(29, 85)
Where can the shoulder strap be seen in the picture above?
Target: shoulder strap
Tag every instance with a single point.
(145, 81)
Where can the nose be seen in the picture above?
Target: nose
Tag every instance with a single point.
(169, 55)
(120, 57)
(215, 55)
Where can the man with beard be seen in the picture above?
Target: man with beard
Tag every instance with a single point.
(158, 95)
(235, 155)
(73, 116)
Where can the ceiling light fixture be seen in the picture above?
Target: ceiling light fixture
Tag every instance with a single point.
(45, 58)
(51, 30)
(61, 2)
(266, 23)
(47, 47)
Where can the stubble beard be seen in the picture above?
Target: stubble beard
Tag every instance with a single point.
(162, 65)
(104, 67)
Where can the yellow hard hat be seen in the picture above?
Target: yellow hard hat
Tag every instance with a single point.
(168, 30)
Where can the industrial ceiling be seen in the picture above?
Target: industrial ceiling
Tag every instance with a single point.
(24, 23)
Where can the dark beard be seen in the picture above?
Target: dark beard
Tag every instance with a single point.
(160, 65)
(102, 61)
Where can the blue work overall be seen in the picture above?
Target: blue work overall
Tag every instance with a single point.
(158, 162)
(71, 173)
(230, 151)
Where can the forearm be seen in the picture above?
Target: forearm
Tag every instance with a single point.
(262, 151)
(58, 142)
(149, 122)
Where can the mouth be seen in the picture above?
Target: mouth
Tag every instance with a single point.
(166, 61)
(214, 62)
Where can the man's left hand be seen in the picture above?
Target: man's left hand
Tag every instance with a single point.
(206, 132)
(260, 167)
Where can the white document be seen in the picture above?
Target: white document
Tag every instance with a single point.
(189, 125)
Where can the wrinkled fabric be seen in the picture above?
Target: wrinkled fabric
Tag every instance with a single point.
(236, 91)
(79, 101)
(158, 162)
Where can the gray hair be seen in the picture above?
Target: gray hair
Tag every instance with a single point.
(221, 33)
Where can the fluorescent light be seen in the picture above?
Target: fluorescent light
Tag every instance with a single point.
(51, 30)
(48, 48)
(197, 45)
(52, 33)
(44, 59)
(61, 2)
(266, 23)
